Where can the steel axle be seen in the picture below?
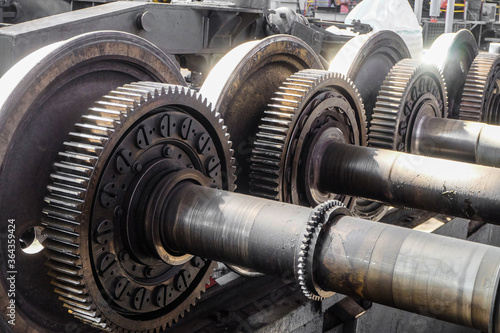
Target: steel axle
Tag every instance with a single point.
(457, 140)
(327, 250)
(411, 116)
(441, 186)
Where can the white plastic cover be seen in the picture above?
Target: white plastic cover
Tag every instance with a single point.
(395, 15)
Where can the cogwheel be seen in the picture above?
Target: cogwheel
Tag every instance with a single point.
(321, 214)
(100, 269)
(307, 103)
(410, 90)
(480, 99)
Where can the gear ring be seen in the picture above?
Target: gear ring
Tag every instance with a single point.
(480, 98)
(410, 91)
(124, 143)
(321, 215)
(308, 103)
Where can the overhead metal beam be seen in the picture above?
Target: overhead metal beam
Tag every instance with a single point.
(198, 28)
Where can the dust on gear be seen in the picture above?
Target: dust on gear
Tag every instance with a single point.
(103, 268)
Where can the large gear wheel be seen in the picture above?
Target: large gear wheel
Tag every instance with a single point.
(308, 104)
(410, 91)
(480, 99)
(107, 270)
(453, 54)
(47, 92)
(243, 82)
(366, 60)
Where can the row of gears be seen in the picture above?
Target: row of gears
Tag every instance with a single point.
(107, 268)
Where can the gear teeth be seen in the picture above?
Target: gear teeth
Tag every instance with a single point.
(118, 98)
(68, 288)
(277, 125)
(61, 236)
(64, 258)
(68, 190)
(311, 232)
(63, 268)
(95, 130)
(388, 111)
(68, 179)
(64, 295)
(89, 139)
(83, 148)
(478, 90)
(65, 190)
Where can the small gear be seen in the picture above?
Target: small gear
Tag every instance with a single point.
(102, 272)
(305, 105)
(321, 214)
(480, 99)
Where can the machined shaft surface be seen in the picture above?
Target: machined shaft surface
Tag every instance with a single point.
(442, 277)
(433, 275)
(457, 140)
(436, 185)
(225, 226)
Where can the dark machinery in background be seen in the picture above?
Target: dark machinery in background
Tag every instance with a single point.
(125, 177)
